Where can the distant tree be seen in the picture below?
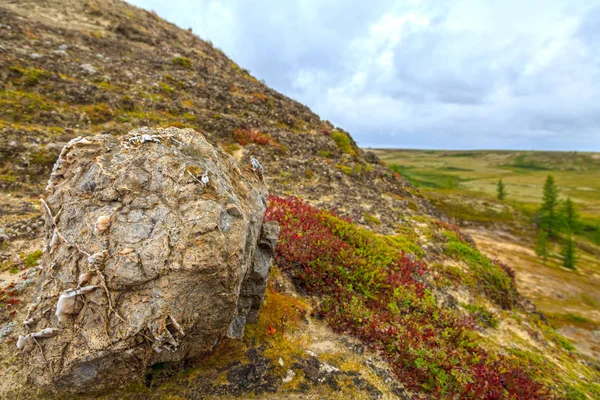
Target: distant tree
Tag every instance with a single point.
(570, 216)
(549, 205)
(500, 190)
(541, 245)
(568, 253)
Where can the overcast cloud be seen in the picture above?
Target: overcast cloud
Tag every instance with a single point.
(464, 74)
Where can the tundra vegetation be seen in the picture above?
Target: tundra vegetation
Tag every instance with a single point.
(553, 211)
(384, 271)
(375, 290)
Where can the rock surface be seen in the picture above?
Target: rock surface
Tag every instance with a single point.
(156, 250)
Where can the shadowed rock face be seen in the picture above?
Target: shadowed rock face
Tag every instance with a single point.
(156, 250)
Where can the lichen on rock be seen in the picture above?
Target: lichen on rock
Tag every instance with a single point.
(145, 262)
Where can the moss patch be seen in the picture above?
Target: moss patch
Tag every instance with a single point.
(343, 142)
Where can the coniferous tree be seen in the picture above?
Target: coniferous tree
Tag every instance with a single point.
(568, 253)
(541, 246)
(549, 204)
(500, 190)
(570, 216)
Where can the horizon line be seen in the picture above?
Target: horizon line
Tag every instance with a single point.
(483, 149)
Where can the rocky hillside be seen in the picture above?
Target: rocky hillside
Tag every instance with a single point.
(373, 295)
(84, 67)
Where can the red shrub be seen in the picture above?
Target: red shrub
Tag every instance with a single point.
(13, 302)
(246, 136)
(510, 271)
(372, 290)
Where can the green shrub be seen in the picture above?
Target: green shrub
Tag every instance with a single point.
(493, 279)
(182, 61)
(31, 259)
(343, 142)
(231, 148)
(29, 76)
(345, 169)
(24, 106)
(165, 88)
(98, 113)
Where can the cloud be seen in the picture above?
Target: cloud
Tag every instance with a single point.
(465, 74)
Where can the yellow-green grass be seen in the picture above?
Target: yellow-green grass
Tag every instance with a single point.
(523, 173)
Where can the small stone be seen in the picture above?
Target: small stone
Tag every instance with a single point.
(280, 361)
(289, 376)
(88, 68)
(328, 369)
(234, 211)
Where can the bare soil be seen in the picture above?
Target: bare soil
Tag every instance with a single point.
(554, 290)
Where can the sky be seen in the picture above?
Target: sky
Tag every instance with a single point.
(431, 74)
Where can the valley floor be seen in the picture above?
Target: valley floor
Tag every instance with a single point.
(462, 184)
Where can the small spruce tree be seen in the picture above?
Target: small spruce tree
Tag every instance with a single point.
(568, 253)
(500, 190)
(570, 216)
(541, 246)
(548, 210)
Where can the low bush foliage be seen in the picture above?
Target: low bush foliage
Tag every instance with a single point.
(32, 259)
(182, 61)
(495, 279)
(246, 136)
(343, 142)
(98, 113)
(374, 291)
(29, 76)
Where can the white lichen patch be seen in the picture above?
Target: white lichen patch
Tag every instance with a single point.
(145, 138)
(256, 167)
(67, 300)
(26, 342)
(102, 224)
(204, 179)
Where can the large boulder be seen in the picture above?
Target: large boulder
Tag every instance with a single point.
(156, 250)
